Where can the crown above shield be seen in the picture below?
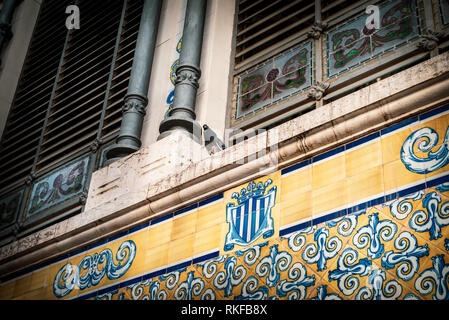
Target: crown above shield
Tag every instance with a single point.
(252, 190)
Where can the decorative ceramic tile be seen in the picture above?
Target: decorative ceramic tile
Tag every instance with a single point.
(275, 79)
(433, 159)
(225, 275)
(405, 260)
(393, 247)
(325, 292)
(431, 219)
(186, 284)
(58, 186)
(365, 184)
(349, 273)
(372, 237)
(180, 249)
(297, 280)
(9, 208)
(253, 289)
(92, 269)
(328, 171)
(207, 240)
(380, 285)
(141, 290)
(363, 158)
(433, 282)
(324, 248)
(353, 43)
(251, 213)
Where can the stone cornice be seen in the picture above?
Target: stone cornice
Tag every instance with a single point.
(148, 184)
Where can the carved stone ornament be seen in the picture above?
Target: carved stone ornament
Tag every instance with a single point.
(317, 29)
(187, 76)
(317, 91)
(135, 105)
(429, 39)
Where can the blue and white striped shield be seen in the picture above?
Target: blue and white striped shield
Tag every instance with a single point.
(250, 219)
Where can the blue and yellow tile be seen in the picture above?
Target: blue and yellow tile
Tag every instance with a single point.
(295, 282)
(243, 229)
(211, 215)
(380, 285)
(207, 240)
(183, 225)
(7, 290)
(224, 275)
(187, 284)
(328, 171)
(156, 257)
(329, 197)
(160, 233)
(321, 253)
(392, 144)
(433, 282)
(405, 260)
(180, 249)
(323, 291)
(365, 184)
(296, 241)
(363, 158)
(296, 196)
(349, 273)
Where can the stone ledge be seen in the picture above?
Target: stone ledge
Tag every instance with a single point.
(174, 172)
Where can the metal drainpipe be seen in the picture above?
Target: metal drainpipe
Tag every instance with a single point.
(5, 22)
(182, 116)
(136, 99)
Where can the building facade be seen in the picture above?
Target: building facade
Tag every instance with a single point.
(208, 149)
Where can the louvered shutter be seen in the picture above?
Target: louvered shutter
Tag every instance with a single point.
(26, 119)
(66, 109)
(264, 25)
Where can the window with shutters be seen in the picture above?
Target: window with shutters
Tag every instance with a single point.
(273, 58)
(66, 111)
(293, 56)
